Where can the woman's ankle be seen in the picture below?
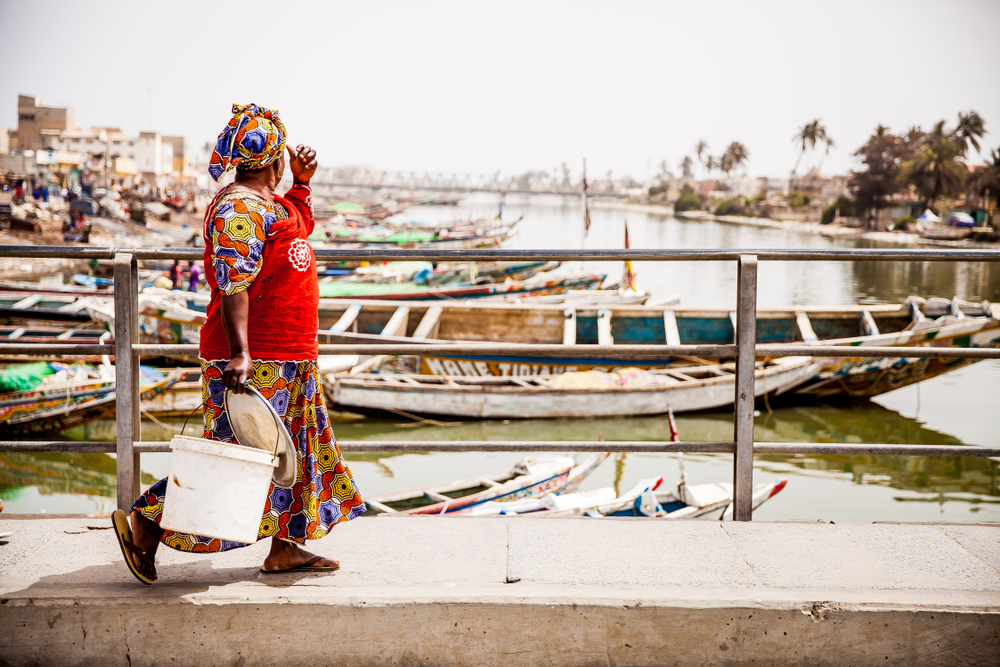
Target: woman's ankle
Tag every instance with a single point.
(145, 531)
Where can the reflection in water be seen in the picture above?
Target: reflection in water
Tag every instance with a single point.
(860, 423)
(84, 474)
(891, 282)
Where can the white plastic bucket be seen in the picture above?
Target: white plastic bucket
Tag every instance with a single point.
(216, 489)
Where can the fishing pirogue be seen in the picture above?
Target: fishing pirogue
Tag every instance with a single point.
(49, 397)
(495, 384)
(549, 486)
(625, 392)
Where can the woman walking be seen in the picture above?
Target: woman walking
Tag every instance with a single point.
(260, 330)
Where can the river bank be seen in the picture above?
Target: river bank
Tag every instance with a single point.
(832, 230)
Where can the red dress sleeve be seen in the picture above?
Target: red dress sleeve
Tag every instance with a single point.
(300, 197)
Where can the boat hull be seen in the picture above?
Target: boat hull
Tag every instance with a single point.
(50, 412)
(485, 401)
(865, 377)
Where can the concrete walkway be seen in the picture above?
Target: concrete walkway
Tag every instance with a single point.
(515, 591)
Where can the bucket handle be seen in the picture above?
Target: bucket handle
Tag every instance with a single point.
(191, 414)
(277, 440)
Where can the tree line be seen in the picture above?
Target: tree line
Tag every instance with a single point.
(931, 163)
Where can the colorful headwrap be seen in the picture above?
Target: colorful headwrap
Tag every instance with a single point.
(254, 138)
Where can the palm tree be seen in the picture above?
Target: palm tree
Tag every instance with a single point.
(985, 181)
(808, 136)
(711, 164)
(700, 149)
(937, 168)
(686, 165)
(737, 155)
(970, 130)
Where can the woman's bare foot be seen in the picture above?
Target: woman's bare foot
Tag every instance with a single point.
(145, 534)
(286, 556)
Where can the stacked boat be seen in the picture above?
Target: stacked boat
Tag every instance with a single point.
(493, 383)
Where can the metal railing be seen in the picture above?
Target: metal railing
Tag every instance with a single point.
(127, 351)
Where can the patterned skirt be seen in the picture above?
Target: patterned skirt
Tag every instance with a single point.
(324, 492)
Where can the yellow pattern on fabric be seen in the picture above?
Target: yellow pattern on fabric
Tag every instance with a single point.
(324, 493)
(238, 227)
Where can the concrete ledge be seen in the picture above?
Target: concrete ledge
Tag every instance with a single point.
(432, 591)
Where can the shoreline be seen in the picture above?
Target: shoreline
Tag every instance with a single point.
(832, 230)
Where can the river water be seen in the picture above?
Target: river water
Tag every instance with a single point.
(955, 409)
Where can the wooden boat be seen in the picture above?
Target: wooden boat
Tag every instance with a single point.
(179, 400)
(529, 478)
(955, 324)
(685, 501)
(607, 296)
(574, 394)
(417, 236)
(74, 396)
(166, 317)
(942, 233)
(445, 273)
(644, 499)
(536, 286)
(915, 322)
(44, 307)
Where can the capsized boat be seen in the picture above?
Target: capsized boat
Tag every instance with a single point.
(580, 394)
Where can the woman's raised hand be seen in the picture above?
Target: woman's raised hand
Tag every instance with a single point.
(303, 163)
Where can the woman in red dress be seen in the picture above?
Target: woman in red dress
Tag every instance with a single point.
(261, 330)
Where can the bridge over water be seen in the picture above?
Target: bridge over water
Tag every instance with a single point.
(383, 179)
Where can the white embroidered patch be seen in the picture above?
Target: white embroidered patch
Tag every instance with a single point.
(300, 255)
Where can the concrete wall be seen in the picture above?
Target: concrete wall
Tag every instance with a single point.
(181, 632)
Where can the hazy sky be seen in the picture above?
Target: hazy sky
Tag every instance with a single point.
(481, 86)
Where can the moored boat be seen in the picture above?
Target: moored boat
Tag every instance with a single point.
(915, 322)
(67, 396)
(629, 392)
(529, 478)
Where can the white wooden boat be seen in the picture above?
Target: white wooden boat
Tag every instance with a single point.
(644, 499)
(686, 389)
(529, 478)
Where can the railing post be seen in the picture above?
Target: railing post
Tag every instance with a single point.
(746, 339)
(126, 378)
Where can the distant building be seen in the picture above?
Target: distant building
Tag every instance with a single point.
(181, 169)
(106, 142)
(154, 158)
(770, 186)
(33, 119)
(824, 189)
(57, 149)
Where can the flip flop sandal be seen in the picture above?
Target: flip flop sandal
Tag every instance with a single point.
(4, 536)
(308, 566)
(138, 563)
